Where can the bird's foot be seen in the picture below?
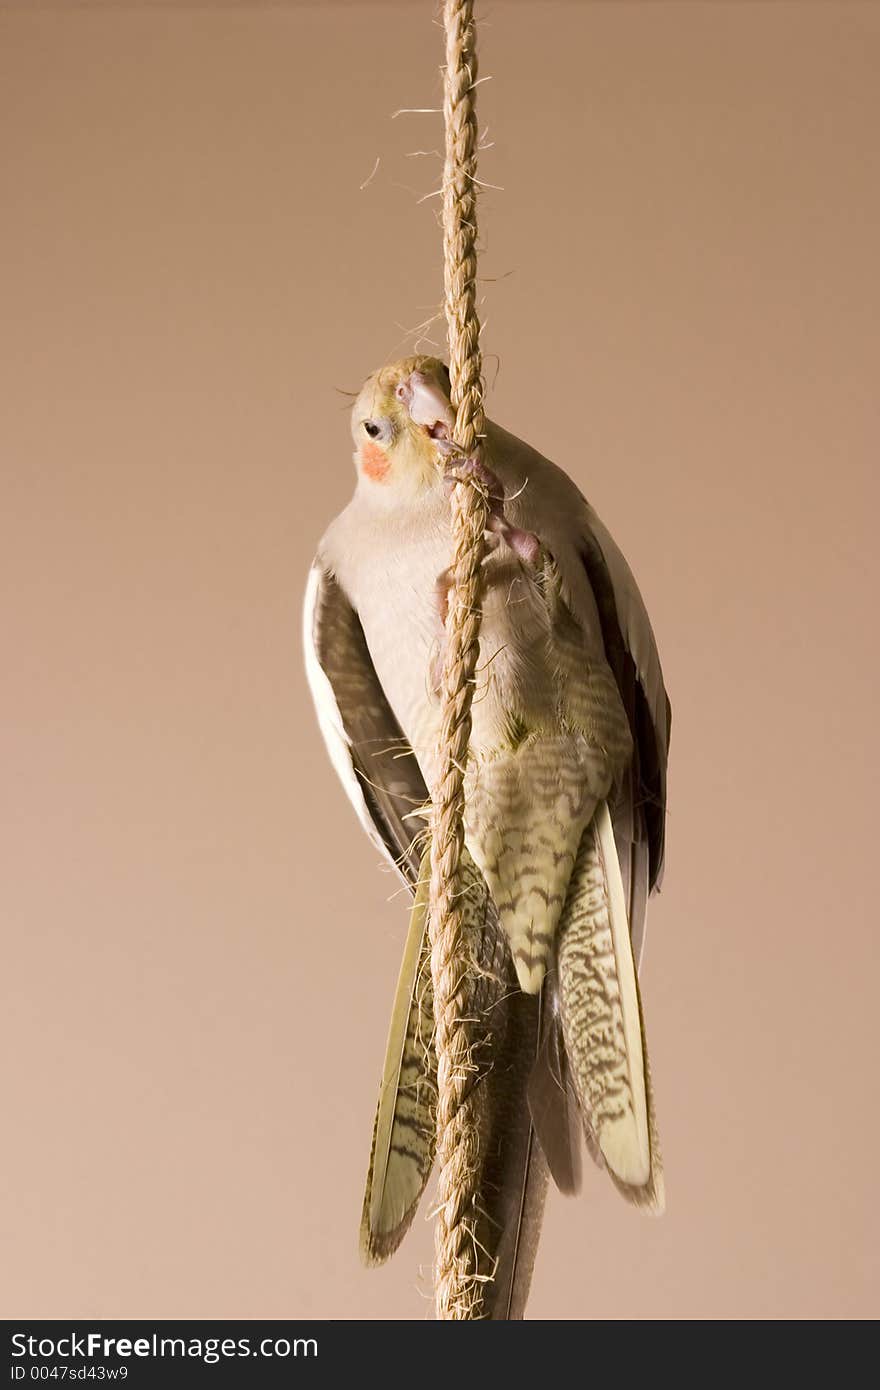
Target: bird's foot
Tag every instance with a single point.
(524, 544)
(442, 585)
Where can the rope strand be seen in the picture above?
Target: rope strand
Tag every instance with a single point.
(456, 1278)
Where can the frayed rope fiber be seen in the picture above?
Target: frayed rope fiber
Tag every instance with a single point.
(457, 1281)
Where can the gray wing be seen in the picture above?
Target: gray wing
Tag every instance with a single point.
(638, 810)
(366, 744)
(544, 499)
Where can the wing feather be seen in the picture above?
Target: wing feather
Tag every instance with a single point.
(367, 747)
(639, 809)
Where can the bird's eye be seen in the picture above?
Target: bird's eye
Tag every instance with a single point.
(373, 430)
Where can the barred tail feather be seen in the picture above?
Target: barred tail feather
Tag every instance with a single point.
(403, 1134)
(601, 1017)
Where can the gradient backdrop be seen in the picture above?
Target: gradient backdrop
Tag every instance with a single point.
(198, 950)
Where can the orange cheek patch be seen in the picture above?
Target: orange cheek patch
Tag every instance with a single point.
(374, 461)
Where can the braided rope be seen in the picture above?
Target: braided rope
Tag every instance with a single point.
(456, 1280)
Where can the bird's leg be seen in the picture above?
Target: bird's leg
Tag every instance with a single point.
(445, 580)
(429, 408)
(442, 589)
(524, 544)
(442, 585)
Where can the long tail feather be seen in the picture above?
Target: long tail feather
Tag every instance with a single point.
(601, 1018)
(513, 1182)
(403, 1133)
(552, 1099)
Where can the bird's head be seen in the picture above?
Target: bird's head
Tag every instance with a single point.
(398, 418)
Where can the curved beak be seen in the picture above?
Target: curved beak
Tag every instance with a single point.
(427, 404)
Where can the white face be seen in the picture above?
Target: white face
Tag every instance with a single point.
(400, 414)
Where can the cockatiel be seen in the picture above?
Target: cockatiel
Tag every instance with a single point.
(565, 795)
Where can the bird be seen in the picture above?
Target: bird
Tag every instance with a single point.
(564, 819)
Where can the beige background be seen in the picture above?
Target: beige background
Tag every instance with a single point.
(198, 951)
